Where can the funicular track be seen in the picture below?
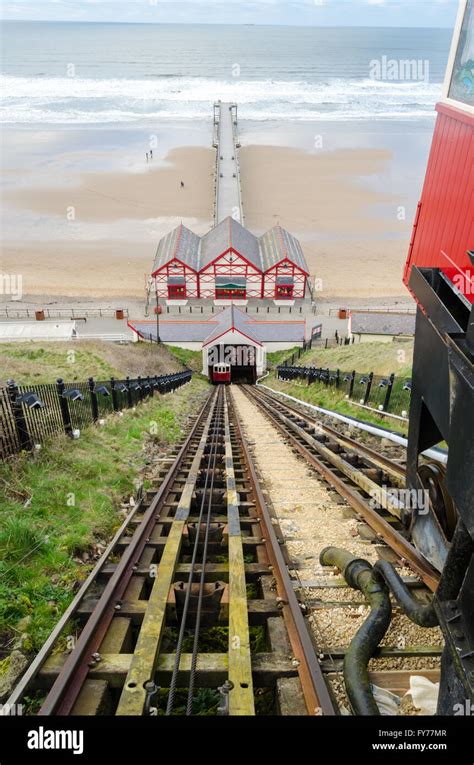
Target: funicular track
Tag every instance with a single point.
(337, 547)
(363, 477)
(190, 604)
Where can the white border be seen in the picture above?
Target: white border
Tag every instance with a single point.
(452, 57)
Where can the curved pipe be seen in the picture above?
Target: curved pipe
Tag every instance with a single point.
(359, 575)
(452, 576)
(423, 615)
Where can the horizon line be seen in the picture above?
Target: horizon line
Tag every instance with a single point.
(221, 24)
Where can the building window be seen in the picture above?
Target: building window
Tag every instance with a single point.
(231, 292)
(176, 291)
(462, 83)
(284, 291)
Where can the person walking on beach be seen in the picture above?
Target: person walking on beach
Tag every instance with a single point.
(151, 153)
(147, 156)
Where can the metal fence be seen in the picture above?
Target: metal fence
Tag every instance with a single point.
(389, 394)
(10, 312)
(30, 414)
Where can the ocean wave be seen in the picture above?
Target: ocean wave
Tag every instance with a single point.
(78, 100)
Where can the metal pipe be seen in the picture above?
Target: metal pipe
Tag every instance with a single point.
(457, 561)
(359, 575)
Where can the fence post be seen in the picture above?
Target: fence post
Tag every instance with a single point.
(64, 406)
(18, 416)
(129, 393)
(369, 388)
(140, 390)
(388, 395)
(94, 404)
(114, 394)
(338, 378)
(150, 389)
(351, 384)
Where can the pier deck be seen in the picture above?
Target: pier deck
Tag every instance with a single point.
(228, 191)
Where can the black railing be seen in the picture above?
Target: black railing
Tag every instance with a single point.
(385, 393)
(30, 414)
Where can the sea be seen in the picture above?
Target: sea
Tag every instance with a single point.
(72, 73)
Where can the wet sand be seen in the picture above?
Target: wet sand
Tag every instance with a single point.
(83, 233)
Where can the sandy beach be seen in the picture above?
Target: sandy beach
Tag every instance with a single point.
(77, 232)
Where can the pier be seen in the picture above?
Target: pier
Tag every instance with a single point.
(228, 193)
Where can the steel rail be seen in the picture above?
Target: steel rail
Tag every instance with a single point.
(68, 684)
(315, 690)
(197, 627)
(391, 536)
(387, 464)
(211, 458)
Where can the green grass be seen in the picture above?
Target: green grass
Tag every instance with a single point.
(279, 357)
(188, 358)
(330, 398)
(29, 363)
(380, 358)
(64, 501)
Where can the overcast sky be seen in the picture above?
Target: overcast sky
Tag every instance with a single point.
(420, 13)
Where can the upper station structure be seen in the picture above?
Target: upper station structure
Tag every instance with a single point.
(229, 263)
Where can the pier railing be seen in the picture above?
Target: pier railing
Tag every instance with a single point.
(63, 313)
(29, 415)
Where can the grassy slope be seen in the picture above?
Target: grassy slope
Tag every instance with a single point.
(279, 357)
(190, 359)
(329, 398)
(57, 505)
(380, 358)
(28, 363)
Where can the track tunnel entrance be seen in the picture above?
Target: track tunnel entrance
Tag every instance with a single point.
(244, 361)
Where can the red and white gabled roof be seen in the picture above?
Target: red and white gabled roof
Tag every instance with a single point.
(231, 320)
(181, 244)
(278, 245)
(229, 235)
(264, 253)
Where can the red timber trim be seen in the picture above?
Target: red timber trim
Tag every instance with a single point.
(299, 277)
(234, 252)
(287, 259)
(412, 242)
(232, 329)
(285, 250)
(130, 326)
(169, 262)
(455, 112)
(176, 268)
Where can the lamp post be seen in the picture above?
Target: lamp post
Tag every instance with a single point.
(157, 315)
